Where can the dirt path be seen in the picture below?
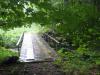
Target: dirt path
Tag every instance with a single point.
(39, 68)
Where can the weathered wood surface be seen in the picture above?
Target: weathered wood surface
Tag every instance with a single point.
(34, 48)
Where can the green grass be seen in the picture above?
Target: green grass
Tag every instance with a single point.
(5, 53)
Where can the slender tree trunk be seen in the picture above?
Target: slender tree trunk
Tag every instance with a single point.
(97, 4)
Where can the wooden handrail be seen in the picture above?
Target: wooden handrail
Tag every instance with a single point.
(20, 39)
(52, 38)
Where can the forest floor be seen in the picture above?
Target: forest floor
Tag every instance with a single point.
(36, 68)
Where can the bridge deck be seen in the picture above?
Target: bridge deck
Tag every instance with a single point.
(34, 48)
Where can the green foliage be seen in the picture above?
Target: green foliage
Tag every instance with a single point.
(11, 13)
(1, 37)
(75, 17)
(74, 20)
(82, 61)
(5, 53)
(10, 38)
(16, 13)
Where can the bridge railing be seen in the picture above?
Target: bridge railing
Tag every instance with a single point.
(54, 43)
(18, 45)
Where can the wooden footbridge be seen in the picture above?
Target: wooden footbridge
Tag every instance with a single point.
(34, 48)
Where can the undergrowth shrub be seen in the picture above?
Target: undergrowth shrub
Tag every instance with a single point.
(6, 53)
(78, 62)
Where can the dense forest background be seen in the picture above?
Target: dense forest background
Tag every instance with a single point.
(74, 23)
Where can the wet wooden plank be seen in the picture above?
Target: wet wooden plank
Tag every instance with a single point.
(34, 48)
